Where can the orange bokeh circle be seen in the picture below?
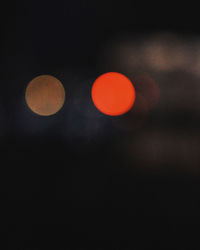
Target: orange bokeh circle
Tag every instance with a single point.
(113, 94)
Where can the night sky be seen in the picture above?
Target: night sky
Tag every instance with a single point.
(80, 179)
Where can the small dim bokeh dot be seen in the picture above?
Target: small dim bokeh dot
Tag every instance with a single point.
(45, 95)
(145, 85)
(113, 94)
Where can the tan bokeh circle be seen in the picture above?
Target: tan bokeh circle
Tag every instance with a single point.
(45, 95)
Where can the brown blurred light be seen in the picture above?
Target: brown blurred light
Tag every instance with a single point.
(45, 95)
(147, 87)
(158, 52)
(163, 150)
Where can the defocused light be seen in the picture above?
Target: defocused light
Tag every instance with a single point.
(113, 94)
(45, 95)
(145, 85)
(159, 52)
(163, 150)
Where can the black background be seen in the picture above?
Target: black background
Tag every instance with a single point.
(61, 186)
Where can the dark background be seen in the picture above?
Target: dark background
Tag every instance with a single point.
(65, 182)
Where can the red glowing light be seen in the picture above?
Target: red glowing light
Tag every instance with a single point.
(113, 94)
